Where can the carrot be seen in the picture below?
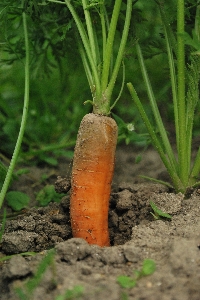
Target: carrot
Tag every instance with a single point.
(92, 173)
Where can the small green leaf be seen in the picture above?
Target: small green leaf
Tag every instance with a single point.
(47, 195)
(192, 41)
(138, 159)
(126, 281)
(17, 200)
(159, 212)
(148, 267)
(22, 171)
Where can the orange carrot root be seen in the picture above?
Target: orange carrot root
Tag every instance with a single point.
(92, 174)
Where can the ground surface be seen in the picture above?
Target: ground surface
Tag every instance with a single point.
(173, 244)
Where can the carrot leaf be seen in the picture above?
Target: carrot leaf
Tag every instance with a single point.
(17, 200)
(158, 212)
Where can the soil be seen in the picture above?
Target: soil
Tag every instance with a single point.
(173, 244)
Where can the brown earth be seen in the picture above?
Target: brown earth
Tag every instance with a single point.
(174, 244)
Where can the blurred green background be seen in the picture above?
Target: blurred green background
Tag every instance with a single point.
(58, 86)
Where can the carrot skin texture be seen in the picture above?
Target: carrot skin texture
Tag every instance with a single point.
(92, 174)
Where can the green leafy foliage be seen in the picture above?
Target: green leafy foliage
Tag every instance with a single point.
(126, 282)
(47, 25)
(185, 95)
(127, 132)
(158, 213)
(54, 114)
(47, 195)
(17, 200)
(56, 102)
(148, 267)
(22, 171)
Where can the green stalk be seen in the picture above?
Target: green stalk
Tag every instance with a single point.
(170, 43)
(109, 44)
(102, 105)
(119, 58)
(197, 23)
(103, 29)
(182, 142)
(90, 30)
(103, 88)
(24, 116)
(192, 100)
(122, 86)
(155, 141)
(155, 110)
(104, 18)
(86, 66)
(173, 84)
(86, 44)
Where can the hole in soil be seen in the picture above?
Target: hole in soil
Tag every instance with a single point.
(129, 206)
(41, 228)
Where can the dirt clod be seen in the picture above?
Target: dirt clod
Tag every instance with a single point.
(15, 268)
(135, 235)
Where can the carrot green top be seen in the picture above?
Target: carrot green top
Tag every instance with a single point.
(100, 71)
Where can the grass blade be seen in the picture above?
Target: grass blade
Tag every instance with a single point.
(182, 142)
(170, 43)
(155, 141)
(155, 110)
